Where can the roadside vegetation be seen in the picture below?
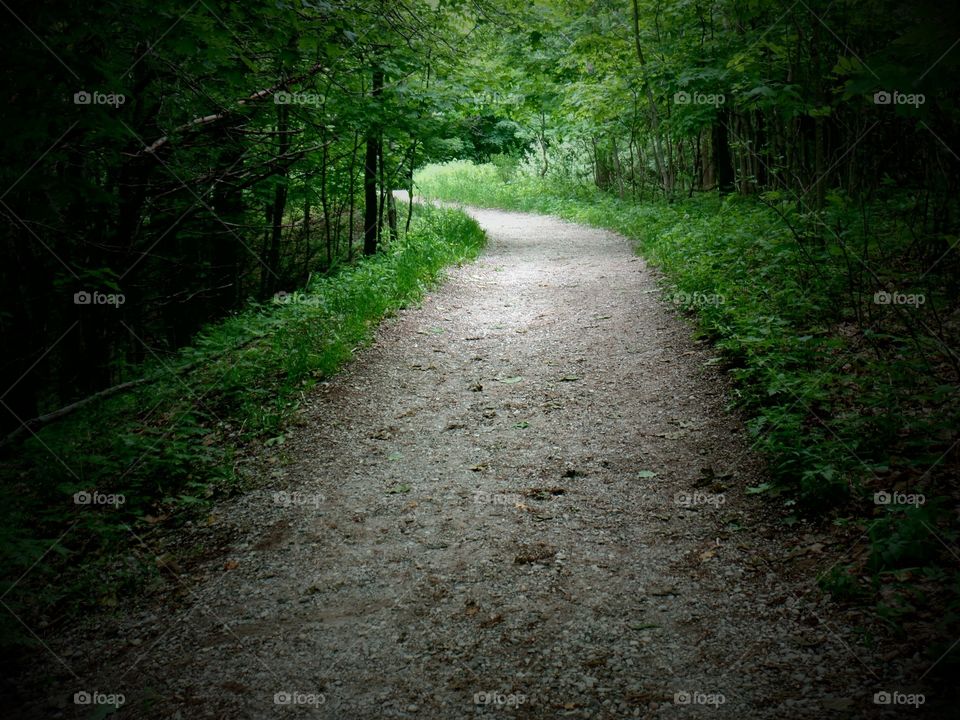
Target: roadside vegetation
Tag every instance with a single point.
(849, 390)
(158, 454)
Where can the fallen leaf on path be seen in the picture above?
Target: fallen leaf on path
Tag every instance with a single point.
(646, 474)
(511, 380)
(543, 493)
(397, 489)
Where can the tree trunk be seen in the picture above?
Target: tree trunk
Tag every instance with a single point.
(371, 225)
(722, 166)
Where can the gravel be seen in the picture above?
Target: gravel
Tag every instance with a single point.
(499, 509)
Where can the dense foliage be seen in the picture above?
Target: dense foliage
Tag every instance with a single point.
(101, 480)
(169, 170)
(794, 170)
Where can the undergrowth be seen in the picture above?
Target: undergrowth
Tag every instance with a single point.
(78, 492)
(852, 400)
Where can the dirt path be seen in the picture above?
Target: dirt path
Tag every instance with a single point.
(500, 510)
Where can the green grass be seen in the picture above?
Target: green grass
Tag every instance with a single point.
(170, 447)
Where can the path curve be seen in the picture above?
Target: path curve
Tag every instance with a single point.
(484, 522)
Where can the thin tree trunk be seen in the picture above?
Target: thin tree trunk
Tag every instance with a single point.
(652, 109)
(371, 224)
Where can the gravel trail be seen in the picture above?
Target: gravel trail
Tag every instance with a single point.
(525, 499)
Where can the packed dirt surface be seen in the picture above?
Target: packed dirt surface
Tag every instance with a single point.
(525, 499)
